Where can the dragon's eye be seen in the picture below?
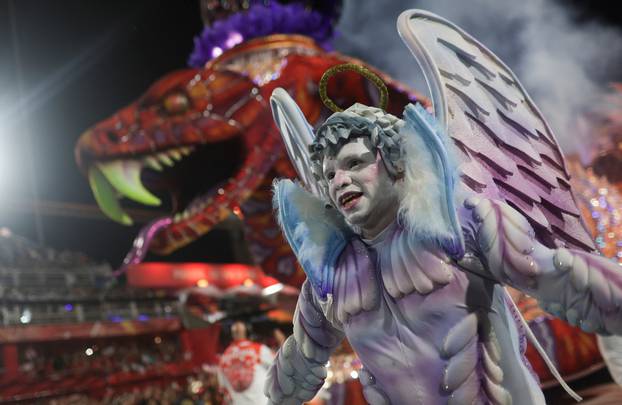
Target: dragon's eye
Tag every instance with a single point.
(176, 103)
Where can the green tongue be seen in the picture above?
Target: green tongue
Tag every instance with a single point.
(106, 197)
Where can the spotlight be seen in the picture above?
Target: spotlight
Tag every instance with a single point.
(272, 289)
(26, 316)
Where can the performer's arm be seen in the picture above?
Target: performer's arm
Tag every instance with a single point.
(583, 288)
(299, 369)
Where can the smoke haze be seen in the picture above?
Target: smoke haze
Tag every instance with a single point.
(563, 64)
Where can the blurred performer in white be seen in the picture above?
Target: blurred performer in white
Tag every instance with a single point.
(243, 368)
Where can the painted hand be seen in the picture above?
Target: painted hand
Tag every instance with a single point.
(293, 379)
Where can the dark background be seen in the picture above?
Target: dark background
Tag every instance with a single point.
(65, 65)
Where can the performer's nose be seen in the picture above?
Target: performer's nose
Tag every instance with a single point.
(342, 179)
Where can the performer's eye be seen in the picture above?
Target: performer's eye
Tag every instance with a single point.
(353, 163)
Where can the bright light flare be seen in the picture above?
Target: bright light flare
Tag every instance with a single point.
(272, 289)
(216, 52)
(233, 39)
(7, 153)
(26, 316)
(202, 283)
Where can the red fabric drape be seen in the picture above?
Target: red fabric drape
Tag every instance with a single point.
(202, 343)
(9, 357)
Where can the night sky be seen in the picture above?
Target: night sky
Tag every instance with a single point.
(65, 65)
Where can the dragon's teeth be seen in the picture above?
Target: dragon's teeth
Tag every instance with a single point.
(175, 154)
(182, 216)
(197, 207)
(124, 176)
(164, 158)
(153, 163)
(106, 196)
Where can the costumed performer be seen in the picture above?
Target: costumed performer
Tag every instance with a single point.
(243, 368)
(410, 228)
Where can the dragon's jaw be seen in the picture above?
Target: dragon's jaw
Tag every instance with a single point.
(187, 173)
(114, 180)
(206, 182)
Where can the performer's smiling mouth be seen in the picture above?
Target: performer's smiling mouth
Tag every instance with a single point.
(349, 199)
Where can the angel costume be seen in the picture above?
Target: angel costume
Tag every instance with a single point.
(422, 303)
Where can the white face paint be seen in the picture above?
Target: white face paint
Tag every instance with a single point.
(360, 187)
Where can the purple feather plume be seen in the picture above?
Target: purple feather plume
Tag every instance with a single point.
(258, 21)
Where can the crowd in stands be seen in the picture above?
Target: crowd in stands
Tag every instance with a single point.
(39, 285)
(106, 357)
(198, 389)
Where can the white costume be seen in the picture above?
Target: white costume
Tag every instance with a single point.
(242, 372)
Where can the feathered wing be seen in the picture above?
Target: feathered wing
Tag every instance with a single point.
(297, 135)
(507, 150)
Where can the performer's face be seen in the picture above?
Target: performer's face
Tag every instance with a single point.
(360, 187)
(238, 330)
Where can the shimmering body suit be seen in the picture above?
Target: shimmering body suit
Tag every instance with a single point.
(425, 331)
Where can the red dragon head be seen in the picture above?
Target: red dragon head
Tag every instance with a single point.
(182, 138)
(205, 137)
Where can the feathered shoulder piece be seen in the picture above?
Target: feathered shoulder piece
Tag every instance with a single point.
(315, 232)
(428, 201)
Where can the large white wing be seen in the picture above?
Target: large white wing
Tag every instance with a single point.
(297, 135)
(507, 149)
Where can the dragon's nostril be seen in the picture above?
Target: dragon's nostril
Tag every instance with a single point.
(112, 137)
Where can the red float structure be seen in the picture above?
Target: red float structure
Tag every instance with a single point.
(217, 280)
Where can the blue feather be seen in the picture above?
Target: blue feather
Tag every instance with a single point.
(316, 239)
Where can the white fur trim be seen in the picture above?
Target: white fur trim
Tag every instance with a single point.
(316, 223)
(421, 210)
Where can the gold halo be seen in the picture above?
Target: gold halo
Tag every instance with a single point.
(363, 71)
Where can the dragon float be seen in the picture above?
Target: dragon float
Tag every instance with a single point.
(206, 136)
